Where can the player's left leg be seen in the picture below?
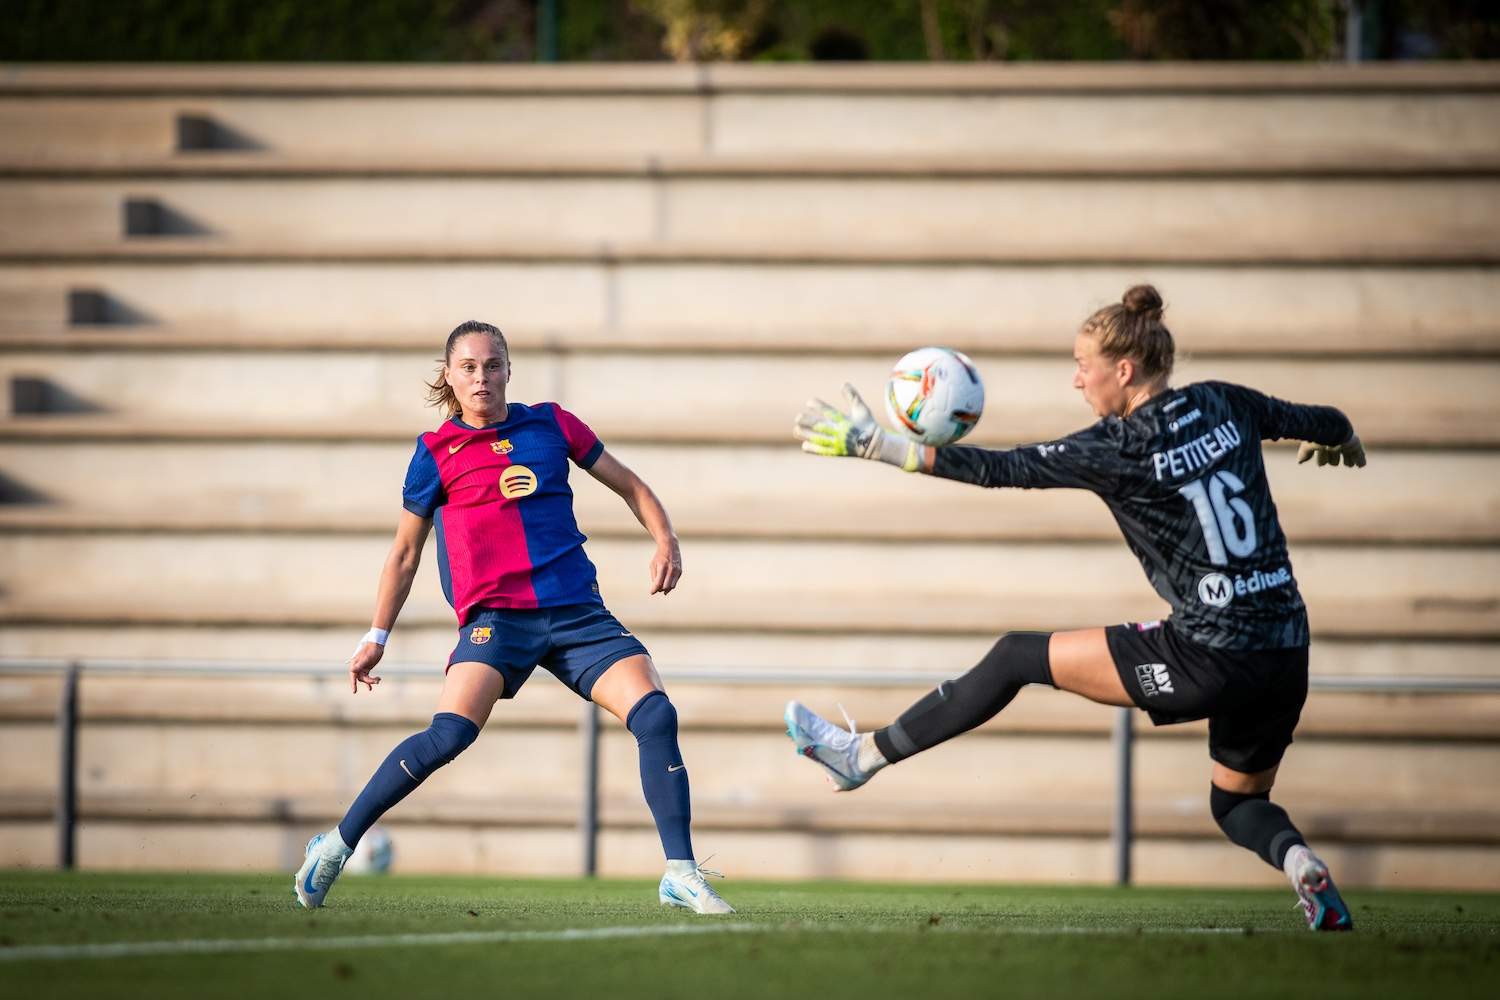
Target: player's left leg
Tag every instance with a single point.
(631, 691)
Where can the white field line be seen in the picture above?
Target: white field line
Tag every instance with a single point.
(138, 949)
(133, 949)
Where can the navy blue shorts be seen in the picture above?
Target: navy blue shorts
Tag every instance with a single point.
(576, 642)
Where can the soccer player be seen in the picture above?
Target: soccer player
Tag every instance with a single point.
(1181, 471)
(494, 479)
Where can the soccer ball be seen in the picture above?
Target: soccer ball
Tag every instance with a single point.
(373, 854)
(935, 395)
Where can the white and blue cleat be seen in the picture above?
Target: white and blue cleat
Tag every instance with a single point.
(684, 886)
(326, 856)
(817, 739)
(1321, 903)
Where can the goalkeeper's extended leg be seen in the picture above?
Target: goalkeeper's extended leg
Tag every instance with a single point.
(850, 758)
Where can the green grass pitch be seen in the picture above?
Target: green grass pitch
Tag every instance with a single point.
(100, 934)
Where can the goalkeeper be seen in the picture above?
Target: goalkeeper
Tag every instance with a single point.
(1182, 473)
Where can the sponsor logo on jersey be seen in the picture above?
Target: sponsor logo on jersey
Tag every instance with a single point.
(1147, 626)
(1187, 418)
(502, 447)
(1048, 450)
(453, 448)
(517, 481)
(480, 635)
(1198, 453)
(1218, 590)
(1154, 679)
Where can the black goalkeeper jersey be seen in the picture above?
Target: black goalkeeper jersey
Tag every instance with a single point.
(1184, 478)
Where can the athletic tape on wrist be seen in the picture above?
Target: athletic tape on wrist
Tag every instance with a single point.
(377, 636)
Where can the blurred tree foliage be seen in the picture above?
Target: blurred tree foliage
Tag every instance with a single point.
(768, 30)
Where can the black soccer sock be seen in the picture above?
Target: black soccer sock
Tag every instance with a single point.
(956, 706)
(1255, 823)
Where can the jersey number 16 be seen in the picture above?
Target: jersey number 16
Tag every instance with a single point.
(1228, 522)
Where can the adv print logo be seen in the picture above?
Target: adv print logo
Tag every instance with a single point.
(517, 481)
(480, 635)
(1154, 679)
(1216, 590)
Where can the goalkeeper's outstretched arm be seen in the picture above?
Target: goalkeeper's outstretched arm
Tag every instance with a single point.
(826, 430)
(1079, 461)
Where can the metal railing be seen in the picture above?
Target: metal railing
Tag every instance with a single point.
(1122, 734)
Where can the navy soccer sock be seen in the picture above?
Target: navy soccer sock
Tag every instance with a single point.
(956, 706)
(1255, 823)
(405, 768)
(664, 780)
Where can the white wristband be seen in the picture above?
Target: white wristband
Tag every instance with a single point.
(377, 636)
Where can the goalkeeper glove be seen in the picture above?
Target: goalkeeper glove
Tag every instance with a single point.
(1351, 452)
(826, 430)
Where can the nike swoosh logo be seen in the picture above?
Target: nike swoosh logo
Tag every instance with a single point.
(625, 633)
(307, 884)
(413, 777)
(675, 767)
(453, 448)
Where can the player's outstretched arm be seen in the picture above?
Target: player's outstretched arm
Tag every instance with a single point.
(395, 583)
(827, 430)
(666, 564)
(1351, 453)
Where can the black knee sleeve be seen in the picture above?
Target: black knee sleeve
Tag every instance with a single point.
(1255, 823)
(956, 706)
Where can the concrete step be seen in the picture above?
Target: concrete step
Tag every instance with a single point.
(710, 490)
(1055, 786)
(736, 768)
(1050, 219)
(1417, 591)
(1227, 116)
(677, 650)
(719, 398)
(1433, 827)
(827, 307)
(242, 699)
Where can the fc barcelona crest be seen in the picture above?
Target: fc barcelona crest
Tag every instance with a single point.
(502, 447)
(480, 635)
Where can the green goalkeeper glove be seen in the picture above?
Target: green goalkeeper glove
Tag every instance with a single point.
(826, 430)
(1351, 452)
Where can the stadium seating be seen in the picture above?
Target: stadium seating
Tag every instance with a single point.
(220, 289)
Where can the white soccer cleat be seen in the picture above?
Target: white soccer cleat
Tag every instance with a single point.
(1321, 903)
(819, 740)
(684, 885)
(326, 856)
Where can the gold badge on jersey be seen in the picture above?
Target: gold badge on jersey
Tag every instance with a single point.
(480, 635)
(517, 481)
(502, 447)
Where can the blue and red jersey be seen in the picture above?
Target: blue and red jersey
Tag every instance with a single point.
(500, 501)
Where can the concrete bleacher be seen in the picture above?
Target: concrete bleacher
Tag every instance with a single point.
(220, 290)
